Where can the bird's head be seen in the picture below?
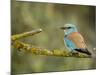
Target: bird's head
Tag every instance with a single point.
(69, 28)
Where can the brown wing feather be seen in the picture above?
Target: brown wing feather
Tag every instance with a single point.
(78, 40)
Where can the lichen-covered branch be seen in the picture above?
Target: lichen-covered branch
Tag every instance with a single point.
(25, 34)
(39, 51)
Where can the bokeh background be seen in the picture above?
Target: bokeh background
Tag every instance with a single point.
(26, 16)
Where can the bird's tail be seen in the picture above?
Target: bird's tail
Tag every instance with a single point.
(84, 51)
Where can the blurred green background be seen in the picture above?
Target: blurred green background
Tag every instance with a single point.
(26, 16)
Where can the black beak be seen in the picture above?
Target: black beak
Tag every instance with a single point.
(63, 28)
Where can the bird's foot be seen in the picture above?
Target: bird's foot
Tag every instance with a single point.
(74, 53)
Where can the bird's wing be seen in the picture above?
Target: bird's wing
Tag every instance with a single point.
(77, 39)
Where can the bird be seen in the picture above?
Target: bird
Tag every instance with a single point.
(73, 40)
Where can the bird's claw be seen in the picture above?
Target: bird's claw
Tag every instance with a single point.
(74, 53)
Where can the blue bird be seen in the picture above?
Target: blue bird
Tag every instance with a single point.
(74, 40)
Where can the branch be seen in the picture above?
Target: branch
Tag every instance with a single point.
(25, 34)
(39, 51)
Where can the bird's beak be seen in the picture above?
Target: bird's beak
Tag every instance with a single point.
(63, 28)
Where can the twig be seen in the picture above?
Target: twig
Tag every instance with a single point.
(25, 34)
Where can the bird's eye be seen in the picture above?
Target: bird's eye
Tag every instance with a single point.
(68, 27)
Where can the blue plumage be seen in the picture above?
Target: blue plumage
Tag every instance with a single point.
(69, 44)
